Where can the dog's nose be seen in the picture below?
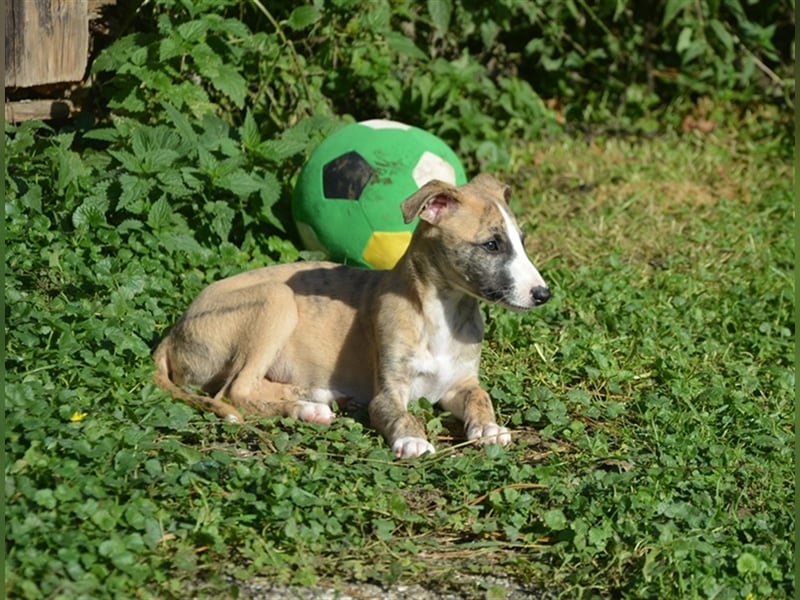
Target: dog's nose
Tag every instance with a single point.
(540, 295)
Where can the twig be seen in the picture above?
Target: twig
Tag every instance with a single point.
(760, 64)
(288, 43)
(514, 486)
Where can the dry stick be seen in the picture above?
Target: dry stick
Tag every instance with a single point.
(288, 44)
(760, 64)
(515, 486)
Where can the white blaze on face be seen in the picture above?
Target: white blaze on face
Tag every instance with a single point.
(524, 275)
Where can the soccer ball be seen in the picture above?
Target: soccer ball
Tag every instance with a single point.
(347, 199)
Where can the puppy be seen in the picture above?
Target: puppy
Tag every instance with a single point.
(292, 340)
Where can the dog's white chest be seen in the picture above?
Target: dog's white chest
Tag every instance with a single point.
(435, 373)
(440, 363)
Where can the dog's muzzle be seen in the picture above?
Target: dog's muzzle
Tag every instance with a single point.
(540, 295)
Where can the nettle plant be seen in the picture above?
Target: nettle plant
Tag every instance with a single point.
(282, 64)
(481, 76)
(205, 176)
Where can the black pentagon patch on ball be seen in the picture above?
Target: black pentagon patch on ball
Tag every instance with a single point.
(346, 177)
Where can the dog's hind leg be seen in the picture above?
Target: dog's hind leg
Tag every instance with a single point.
(161, 377)
(268, 329)
(271, 399)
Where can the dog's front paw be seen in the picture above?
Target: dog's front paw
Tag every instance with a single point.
(410, 447)
(315, 413)
(489, 434)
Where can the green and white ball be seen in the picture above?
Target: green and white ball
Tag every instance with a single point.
(347, 199)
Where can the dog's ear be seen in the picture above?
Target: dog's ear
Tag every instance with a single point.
(431, 202)
(493, 185)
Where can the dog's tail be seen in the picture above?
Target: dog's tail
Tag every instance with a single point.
(162, 379)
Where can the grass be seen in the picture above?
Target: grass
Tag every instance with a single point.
(651, 401)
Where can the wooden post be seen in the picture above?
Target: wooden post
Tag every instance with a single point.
(46, 41)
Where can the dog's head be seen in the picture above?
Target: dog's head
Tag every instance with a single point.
(470, 236)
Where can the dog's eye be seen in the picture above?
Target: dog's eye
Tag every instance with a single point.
(491, 246)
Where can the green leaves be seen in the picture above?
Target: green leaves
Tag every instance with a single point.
(92, 211)
(440, 12)
(672, 9)
(207, 48)
(206, 175)
(303, 17)
(220, 75)
(160, 214)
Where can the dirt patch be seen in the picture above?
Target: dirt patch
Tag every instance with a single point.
(462, 587)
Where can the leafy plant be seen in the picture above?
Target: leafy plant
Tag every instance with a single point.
(477, 75)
